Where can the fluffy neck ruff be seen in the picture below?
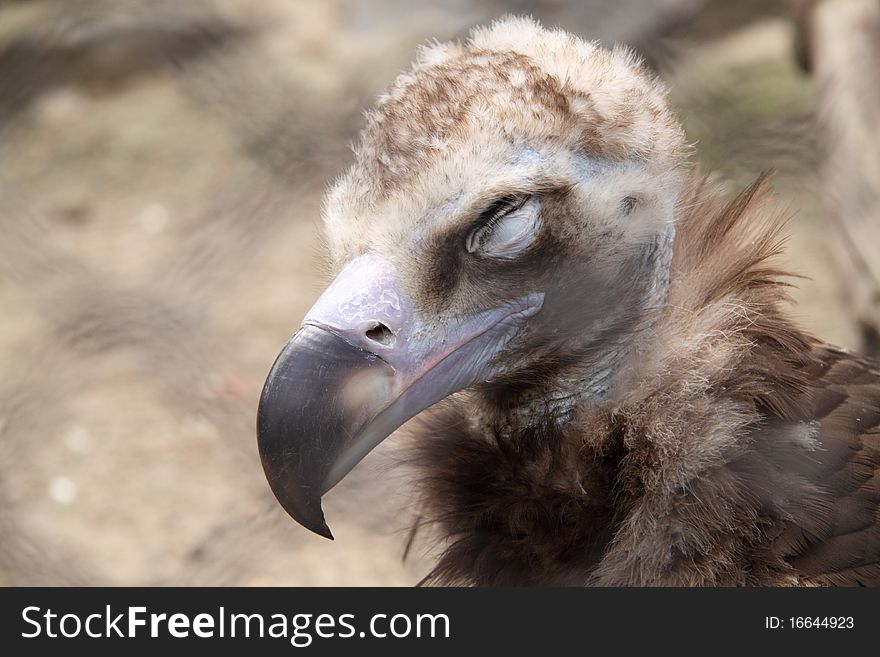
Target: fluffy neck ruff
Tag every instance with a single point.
(540, 501)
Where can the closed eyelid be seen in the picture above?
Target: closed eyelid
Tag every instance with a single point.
(500, 202)
(485, 220)
(499, 209)
(473, 209)
(513, 231)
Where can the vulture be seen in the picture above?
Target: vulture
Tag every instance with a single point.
(610, 388)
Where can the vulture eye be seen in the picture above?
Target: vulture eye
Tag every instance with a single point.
(506, 227)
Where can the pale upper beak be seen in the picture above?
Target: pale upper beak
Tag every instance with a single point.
(363, 363)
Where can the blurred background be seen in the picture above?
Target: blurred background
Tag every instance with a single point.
(161, 171)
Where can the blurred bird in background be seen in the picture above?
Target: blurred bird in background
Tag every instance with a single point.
(162, 166)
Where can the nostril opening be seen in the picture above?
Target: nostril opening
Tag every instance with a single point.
(381, 334)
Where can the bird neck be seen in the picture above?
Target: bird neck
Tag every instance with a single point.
(573, 495)
(587, 382)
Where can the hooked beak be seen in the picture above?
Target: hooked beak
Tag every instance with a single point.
(362, 364)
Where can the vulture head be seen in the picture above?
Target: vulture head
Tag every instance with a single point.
(506, 229)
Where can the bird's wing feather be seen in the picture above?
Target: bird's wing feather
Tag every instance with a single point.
(842, 545)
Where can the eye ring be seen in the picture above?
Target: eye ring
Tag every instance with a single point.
(506, 227)
(489, 218)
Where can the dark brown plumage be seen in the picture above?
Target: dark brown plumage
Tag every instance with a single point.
(748, 453)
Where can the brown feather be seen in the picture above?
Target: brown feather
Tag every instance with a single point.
(734, 448)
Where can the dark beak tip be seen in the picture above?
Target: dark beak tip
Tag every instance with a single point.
(302, 426)
(317, 527)
(299, 505)
(308, 515)
(321, 530)
(326, 533)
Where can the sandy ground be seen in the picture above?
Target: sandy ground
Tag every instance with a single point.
(159, 243)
